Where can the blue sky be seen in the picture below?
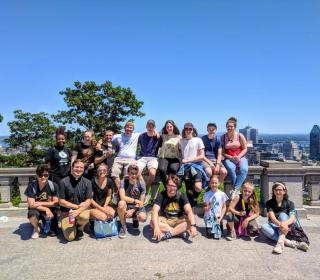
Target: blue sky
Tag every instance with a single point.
(196, 61)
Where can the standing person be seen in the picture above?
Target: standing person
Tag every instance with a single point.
(281, 215)
(42, 199)
(102, 187)
(128, 143)
(169, 153)
(106, 150)
(243, 211)
(58, 158)
(234, 150)
(172, 213)
(132, 194)
(214, 206)
(192, 150)
(213, 153)
(85, 151)
(75, 194)
(149, 142)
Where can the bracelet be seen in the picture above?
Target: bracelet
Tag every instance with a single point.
(193, 225)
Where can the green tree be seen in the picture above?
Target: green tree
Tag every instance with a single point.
(1, 118)
(98, 107)
(32, 133)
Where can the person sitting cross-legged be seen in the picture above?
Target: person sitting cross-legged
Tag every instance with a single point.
(172, 213)
(132, 194)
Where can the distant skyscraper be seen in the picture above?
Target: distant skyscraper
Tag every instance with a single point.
(250, 134)
(291, 151)
(315, 143)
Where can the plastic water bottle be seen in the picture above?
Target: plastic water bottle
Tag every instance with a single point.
(72, 220)
(47, 226)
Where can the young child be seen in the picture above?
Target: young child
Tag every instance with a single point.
(214, 204)
(243, 211)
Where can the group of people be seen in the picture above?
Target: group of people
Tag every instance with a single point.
(104, 178)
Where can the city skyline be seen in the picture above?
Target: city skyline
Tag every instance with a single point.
(188, 61)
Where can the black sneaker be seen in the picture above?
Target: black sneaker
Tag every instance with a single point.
(166, 236)
(185, 235)
(135, 222)
(208, 232)
(122, 232)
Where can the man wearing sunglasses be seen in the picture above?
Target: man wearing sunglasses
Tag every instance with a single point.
(42, 199)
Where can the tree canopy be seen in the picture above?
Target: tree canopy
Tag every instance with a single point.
(98, 107)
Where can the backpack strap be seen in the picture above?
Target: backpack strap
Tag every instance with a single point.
(51, 185)
(34, 187)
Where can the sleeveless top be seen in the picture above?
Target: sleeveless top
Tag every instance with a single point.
(232, 146)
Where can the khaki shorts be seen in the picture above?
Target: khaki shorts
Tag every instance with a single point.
(149, 162)
(120, 164)
(70, 230)
(172, 222)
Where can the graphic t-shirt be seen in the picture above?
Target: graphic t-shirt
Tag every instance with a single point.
(59, 159)
(100, 195)
(216, 199)
(85, 154)
(211, 147)
(171, 207)
(128, 144)
(33, 191)
(189, 148)
(133, 191)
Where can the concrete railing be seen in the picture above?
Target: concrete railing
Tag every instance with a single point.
(292, 173)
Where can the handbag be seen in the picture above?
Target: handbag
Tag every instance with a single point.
(105, 228)
(296, 231)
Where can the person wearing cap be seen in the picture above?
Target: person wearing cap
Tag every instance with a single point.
(75, 194)
(281, 215)
(191, 170)
(149, 143)
(128, 143)
(213, 153)
(132, 194)
(172, 214)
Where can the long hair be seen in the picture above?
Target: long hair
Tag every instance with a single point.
(176, 130)
(280, 184)
(252, 199)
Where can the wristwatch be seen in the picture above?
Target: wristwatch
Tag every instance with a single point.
(193, 225)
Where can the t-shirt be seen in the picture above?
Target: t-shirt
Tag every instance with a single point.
(111, 146)
(128, 144)
(75, 190)
(286, 207)
(171, 207)
(211, 147)
(33, 191)
(85, 153)
(190, 147)
(149, 145)
(133, 191)
(100, 195)
(216, 199)
(59, 159)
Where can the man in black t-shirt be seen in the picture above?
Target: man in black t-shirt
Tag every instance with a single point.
(42, 198)
(75, 194)
(172, 213)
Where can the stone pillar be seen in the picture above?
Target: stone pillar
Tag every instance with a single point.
(313, 182)
(289, 172)
(5, 189)
(23, 183)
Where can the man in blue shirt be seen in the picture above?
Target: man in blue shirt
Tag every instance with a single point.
(213, 153)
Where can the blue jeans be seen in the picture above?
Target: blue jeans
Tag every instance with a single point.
(271, 230)
(237, 179)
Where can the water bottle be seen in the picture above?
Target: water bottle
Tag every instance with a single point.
(72, 220)
(47, 226)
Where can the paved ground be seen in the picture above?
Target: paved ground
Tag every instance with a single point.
(138, 257)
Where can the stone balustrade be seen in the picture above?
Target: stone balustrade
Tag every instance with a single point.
(292, 173)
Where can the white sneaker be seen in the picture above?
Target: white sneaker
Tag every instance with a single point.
(303, 246)
(278, 249)
(234, 193)
(35, 235)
